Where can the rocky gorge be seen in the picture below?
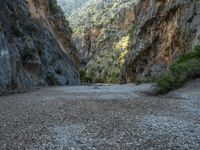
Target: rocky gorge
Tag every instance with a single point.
(109, 41)
(122, 41)
(84, 49)
(101, 33)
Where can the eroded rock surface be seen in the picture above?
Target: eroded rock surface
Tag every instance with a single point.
(35, 45)
(149, 34)
(163, 31)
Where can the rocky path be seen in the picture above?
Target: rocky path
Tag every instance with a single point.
(101, 117)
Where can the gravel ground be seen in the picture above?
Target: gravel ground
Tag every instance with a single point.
(101, 117)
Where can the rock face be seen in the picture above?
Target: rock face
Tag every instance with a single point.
(71, 6)
(35, 45)
(101, 33)
(129, 40)
(163, 30)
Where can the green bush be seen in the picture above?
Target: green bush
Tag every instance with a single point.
(184, 69)
(168, 83)
(115, 75)
(52, 80)
(87, 79)
(98, 80)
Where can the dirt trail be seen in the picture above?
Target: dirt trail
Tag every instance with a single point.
(101, 117)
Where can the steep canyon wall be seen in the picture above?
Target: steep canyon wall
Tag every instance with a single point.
(35, 45)
(163, 31)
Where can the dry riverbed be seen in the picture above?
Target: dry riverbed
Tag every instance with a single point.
(101, 117)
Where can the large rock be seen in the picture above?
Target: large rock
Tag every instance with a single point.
(163, 31)
(35, 45)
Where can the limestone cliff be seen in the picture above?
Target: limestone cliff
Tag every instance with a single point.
(129, 40)
(101, 33)
(35, 45)
(163, 30)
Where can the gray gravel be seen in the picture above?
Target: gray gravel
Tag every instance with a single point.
(101, 117)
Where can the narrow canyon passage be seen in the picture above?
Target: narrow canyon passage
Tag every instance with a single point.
(112, 117)
(72, 55)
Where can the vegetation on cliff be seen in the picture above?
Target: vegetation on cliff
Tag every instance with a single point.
(165, 30)
(134, 41)
(101, 33)
(184, 69)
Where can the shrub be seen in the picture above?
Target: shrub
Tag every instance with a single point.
(87, 79)
(184, 69)
(98, 80)
(52, 80)
(167, 83)
(115, 75)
